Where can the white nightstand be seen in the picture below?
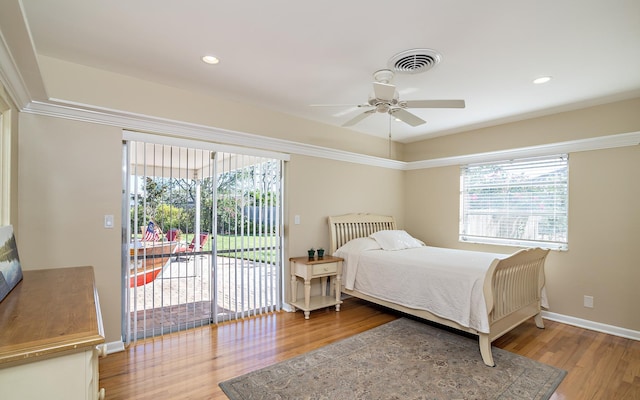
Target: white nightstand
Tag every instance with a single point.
(308, 269)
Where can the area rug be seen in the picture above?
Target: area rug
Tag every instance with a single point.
(403, 359)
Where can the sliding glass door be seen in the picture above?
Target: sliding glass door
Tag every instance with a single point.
(203, 242)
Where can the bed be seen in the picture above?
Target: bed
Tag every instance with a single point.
(490, 293)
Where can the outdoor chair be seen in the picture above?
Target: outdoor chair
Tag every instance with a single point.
(191, 248)
(173, 234)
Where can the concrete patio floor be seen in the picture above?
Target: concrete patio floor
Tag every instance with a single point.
(181, 296)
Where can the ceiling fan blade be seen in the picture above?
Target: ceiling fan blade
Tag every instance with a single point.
(434, 104)
(345, 111)
(384, 91)
(405, 116)
(339, 105)
(359, 118)
(350, 109)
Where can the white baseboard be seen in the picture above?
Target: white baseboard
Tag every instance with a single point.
(287, 307)
(591, 325)
(114, 347)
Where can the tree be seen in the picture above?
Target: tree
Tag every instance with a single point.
(171, 202)
(168, 216)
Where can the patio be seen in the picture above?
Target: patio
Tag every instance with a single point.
(181, 295)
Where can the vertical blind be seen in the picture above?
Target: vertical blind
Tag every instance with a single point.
(517, 202)
(248, 253)
(218, 240)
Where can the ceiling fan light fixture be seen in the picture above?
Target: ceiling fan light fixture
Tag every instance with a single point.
(382, 107)
(383, 76)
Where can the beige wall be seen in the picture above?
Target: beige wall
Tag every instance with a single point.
(70, 177)
(604, 211)
(604, 230)
(607, 119)
(317, 188)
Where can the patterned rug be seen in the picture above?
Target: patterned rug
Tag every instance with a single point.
(403, 359)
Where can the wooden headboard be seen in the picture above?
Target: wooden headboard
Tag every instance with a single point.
(343, 228)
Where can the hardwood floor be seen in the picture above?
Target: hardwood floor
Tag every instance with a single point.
(189, 365)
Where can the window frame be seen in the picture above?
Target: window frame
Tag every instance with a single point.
(508, 206)
(5, 162)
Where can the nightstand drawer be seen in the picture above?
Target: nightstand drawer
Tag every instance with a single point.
(328, 268)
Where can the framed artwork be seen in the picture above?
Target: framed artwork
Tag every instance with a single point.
(10, 269)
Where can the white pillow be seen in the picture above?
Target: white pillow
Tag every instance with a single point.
(395, 240)
(356, 246)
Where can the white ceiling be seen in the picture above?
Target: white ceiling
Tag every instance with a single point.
(287, 54)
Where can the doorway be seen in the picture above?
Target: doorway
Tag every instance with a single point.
(203, 240)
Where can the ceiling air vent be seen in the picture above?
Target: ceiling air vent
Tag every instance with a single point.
(414, 61)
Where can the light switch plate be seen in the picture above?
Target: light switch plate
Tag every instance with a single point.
(108, 221)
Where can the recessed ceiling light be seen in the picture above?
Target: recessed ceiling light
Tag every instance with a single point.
(542, 79)
(210, 59)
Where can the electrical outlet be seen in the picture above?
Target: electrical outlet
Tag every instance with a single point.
(588, 301)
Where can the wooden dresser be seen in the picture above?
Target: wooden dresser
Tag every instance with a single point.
(51, 336)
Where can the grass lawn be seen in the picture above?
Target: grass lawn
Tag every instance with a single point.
(238, 246)
(241, 246)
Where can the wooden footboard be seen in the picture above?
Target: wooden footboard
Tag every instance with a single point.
(512, 290)
(512, 287)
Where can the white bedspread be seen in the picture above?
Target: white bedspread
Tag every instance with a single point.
(445, 282)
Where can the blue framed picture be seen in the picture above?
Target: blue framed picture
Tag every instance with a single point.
(10, 269)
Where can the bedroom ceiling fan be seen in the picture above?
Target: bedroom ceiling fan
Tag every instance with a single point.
(385, 99)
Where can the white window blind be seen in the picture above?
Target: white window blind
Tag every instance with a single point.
(517, 202)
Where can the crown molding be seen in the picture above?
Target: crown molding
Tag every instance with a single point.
(149, 124)
(573, 146)
(144, 123)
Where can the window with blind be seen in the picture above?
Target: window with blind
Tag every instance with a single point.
(5, 163)
(517, 202)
